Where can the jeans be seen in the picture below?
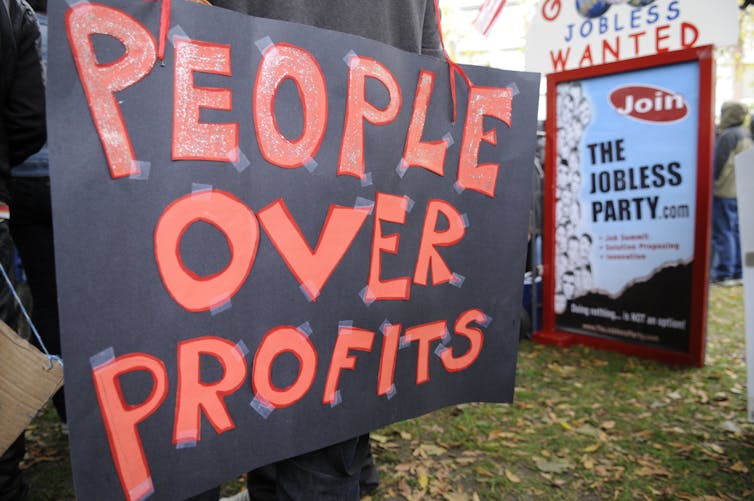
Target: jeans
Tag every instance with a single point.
(725, 239)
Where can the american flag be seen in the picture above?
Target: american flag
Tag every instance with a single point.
(488, 13)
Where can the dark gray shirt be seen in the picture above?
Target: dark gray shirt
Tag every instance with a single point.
(410, 25)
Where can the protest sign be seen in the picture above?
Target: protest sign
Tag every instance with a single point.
(627, 207)
(570, 34)
(273, 240)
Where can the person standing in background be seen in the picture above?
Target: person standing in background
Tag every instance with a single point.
(733, 138)
(22, 133)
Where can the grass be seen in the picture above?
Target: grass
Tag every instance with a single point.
(585, 425)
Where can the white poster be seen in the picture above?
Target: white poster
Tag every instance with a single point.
(745, 187)
(570, 34)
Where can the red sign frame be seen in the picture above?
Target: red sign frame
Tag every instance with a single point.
(549, 333)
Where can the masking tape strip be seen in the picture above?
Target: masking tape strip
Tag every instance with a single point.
(306, 328)
(345, 324)
(308, 290)
(457, 280)
(367, 297)
(338, 399)
(487, 321)
(262, 406)
(351, 58)
(514, 89)
(465, 218)
(440, 349)
(263, 44)
(408, 203)
(401, 168)
(243, 161)
(459, 187)
(104, 357)
(242, 348)
(220, 306)
(384, 326)
(364, 203)
(144, 168)
(367, 180)
(391, 392)
(311, 165)
(177, 31)
(448, 138)
(142, 491)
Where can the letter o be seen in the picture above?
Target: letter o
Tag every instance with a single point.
(281, 62)
(229, 215)
(281, 340)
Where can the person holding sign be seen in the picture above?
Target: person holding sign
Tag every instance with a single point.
(334, 472)
(22, 132)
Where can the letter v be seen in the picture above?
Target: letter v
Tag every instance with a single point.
(312, 268)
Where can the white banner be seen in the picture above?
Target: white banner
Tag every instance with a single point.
(745, 188)
(569, 34)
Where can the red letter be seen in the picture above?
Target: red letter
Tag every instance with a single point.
(312, 269)
(431, 238)
(636, 36)
(192, 139)
(358, 110)
(431, 154)
(661, 34)
(233, 219)
(193, 395)
(280, 62)
(425, 334)
(559, 60)
(391, 337)
(586, 57)
(483, 101)
(102, 81)
(391, 208)
(348, 338)
(121, 419)
(276, 342)
(687, 28)
(475, 337)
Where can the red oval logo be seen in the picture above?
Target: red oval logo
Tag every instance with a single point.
(650, 104)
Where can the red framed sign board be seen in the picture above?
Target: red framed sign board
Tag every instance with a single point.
(627, 206)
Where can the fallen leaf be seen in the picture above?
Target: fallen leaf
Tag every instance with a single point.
(429, 449)
(380, 439)
(593, 447)
(422, 477)
(555, 466)
(608, 425)
(405, 435)
(512, 476)
(739, 467)
(485, 473)
(731, 427)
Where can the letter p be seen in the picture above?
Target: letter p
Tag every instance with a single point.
(102, 81)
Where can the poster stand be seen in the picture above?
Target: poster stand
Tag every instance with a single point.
(632, 326)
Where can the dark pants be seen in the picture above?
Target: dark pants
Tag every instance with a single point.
(31, 227)
(725, 239)
(12, 487)
(328, 474)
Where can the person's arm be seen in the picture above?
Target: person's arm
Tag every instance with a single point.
(25, 105)
(431, 44)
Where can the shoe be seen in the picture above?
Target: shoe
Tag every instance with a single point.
(241, 496)
(731, 282)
